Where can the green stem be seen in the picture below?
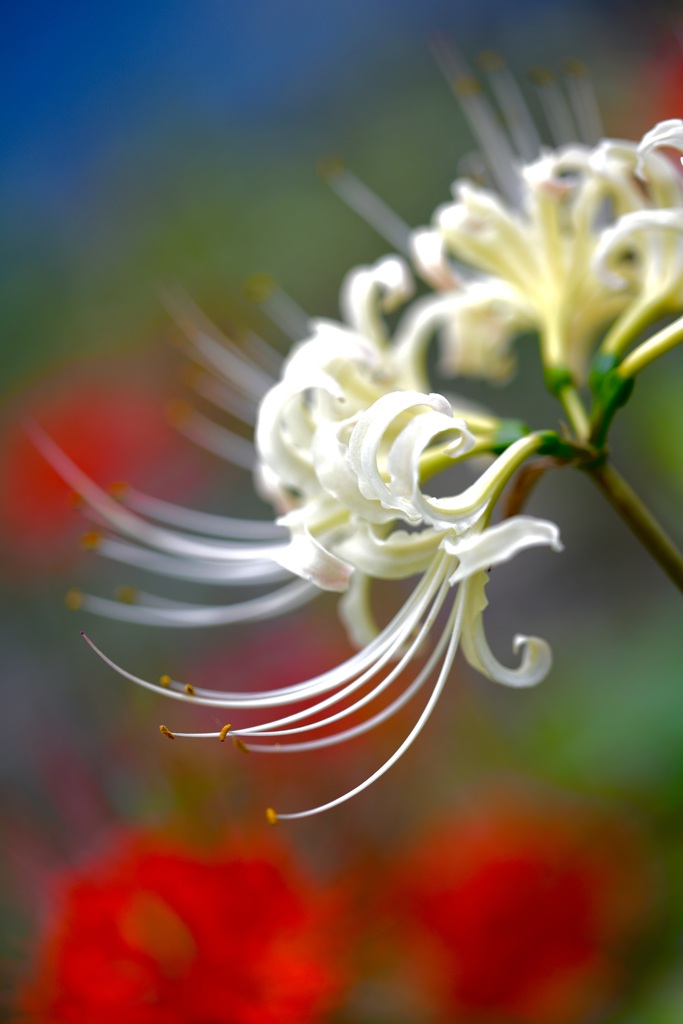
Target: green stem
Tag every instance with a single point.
(626, 502)
(436, 460)
(630, 324)
(652, 349)
(575, 411)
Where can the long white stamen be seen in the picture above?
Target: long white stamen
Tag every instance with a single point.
(495, 146)
(232, 364)
(274, 728)
(555, 107)
(369, 723)
(213, 437)
(201, 522)
(195, 570)
(280, 307)
(131, 525)
(216, 350)
(348, 734)
(518, 119)
(177, 615)
(370, 656)
(269, 356)
(455, 626)
(583, 102)
(229, 365)
(365, 663)
(269, 728)
(223, 396)
(367, 204)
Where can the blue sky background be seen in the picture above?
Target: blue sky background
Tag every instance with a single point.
(81, 79)
(161, 139)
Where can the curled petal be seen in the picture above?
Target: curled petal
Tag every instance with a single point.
(500, 543)
(333, 348)
(368, 442)
(480, 213)
(284, 429)
(460, 512)
(403, 462)
(557, 172)
(536, 654)
(476, 326)
(666, 133)
(389, 557)
(306, 557)
(624, 231)
(431, 259)
(369, 291)
(334, 472)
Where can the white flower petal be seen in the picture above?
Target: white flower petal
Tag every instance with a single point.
(355, 611)
(666, 133)
(334, 472)
(396, 556)
(369, 434)
(500, 543)
(624, 231)
(366, 291)
(307, 557)
(536, 654)
(431, 259)
(403, 462)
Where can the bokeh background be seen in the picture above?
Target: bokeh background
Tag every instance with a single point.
(158, 144)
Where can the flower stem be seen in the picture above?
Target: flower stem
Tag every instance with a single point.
(652, 349)
(626, 502)
(631, 323)
(575, 411)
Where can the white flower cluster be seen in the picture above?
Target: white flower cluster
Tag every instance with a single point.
(583, 234)
(578, 240)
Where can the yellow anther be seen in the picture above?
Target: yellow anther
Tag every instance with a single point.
(259, 287)
(575, 67)
(73, 599)
(330, 167)
(178, 412)
(126, 595)
(164, 680)
(224, 732)
(166, 732)
(541, 76)
(189, 689)
(271, 816)
(466, 86)
(490, 60)
(91, 540)
(191, 375)
(118, 490)
(239, 745)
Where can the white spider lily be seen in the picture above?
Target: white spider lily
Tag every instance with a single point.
(341, 439)
(593, 233)
(453, 547)
(566, 241)
(349, 431)
(388, 656)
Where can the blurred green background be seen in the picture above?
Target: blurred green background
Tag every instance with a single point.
(177, 143)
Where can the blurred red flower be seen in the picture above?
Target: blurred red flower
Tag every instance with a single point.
(109, 416)
(155, 932)
(520, 909)
(663, 82)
